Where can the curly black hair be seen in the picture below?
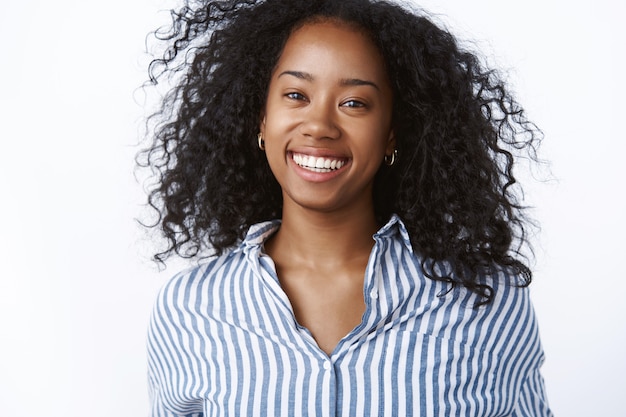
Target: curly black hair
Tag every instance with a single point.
(457, 128)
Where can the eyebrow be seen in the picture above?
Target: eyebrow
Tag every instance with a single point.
(343, 82)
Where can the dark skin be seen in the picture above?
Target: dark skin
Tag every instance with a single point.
(325, 286)
(329, 102)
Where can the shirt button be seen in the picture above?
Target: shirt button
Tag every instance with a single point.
(374, 294)
(327, 365)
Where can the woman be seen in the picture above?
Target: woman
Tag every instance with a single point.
(345, 172)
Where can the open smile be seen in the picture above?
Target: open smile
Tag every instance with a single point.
(318, 164)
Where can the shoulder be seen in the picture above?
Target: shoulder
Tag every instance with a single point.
(501, 326)
(185, 286)
(510, 296)
(510, 302)
(206, 289)
(511, 321)
(197, 285)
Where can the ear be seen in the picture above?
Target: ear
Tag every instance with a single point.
(391, 143)
(262, 123)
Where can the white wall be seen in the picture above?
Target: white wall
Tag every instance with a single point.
(76, 287)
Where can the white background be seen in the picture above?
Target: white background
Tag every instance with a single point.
(76, 285)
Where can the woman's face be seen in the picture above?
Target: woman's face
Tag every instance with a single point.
(327, 119)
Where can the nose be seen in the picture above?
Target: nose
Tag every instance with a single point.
(320, 121)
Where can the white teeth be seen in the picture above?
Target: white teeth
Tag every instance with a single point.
(317, 164)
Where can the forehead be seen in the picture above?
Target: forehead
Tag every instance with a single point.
(332, 47)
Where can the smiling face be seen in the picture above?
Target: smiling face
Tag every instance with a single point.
(327, 119)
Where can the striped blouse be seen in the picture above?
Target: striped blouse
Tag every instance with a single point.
(223, 341)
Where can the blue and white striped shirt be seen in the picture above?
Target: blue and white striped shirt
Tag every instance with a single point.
(223, 341)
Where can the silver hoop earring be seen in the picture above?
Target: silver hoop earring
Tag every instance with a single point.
(261, 141)
(391, 159)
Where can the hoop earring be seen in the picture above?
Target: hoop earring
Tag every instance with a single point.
(391, 159)
(261, 141)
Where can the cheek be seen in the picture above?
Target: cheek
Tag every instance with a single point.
(276, 157)
(276, 116)
(277, 123)
(376, 138)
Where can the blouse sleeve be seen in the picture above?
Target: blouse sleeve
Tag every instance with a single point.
(532, 400)
(524, 352)
(169, 376)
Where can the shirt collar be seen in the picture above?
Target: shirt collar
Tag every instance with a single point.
(394, 227)
(260, 232)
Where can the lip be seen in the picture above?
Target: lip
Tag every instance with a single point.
(317, 165)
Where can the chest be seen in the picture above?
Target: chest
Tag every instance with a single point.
(413, 353)
(386, 373)
(330, 306)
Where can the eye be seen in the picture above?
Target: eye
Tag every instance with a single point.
(353, 104)
(295, 96)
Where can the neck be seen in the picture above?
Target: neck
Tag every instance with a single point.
(323, 239)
